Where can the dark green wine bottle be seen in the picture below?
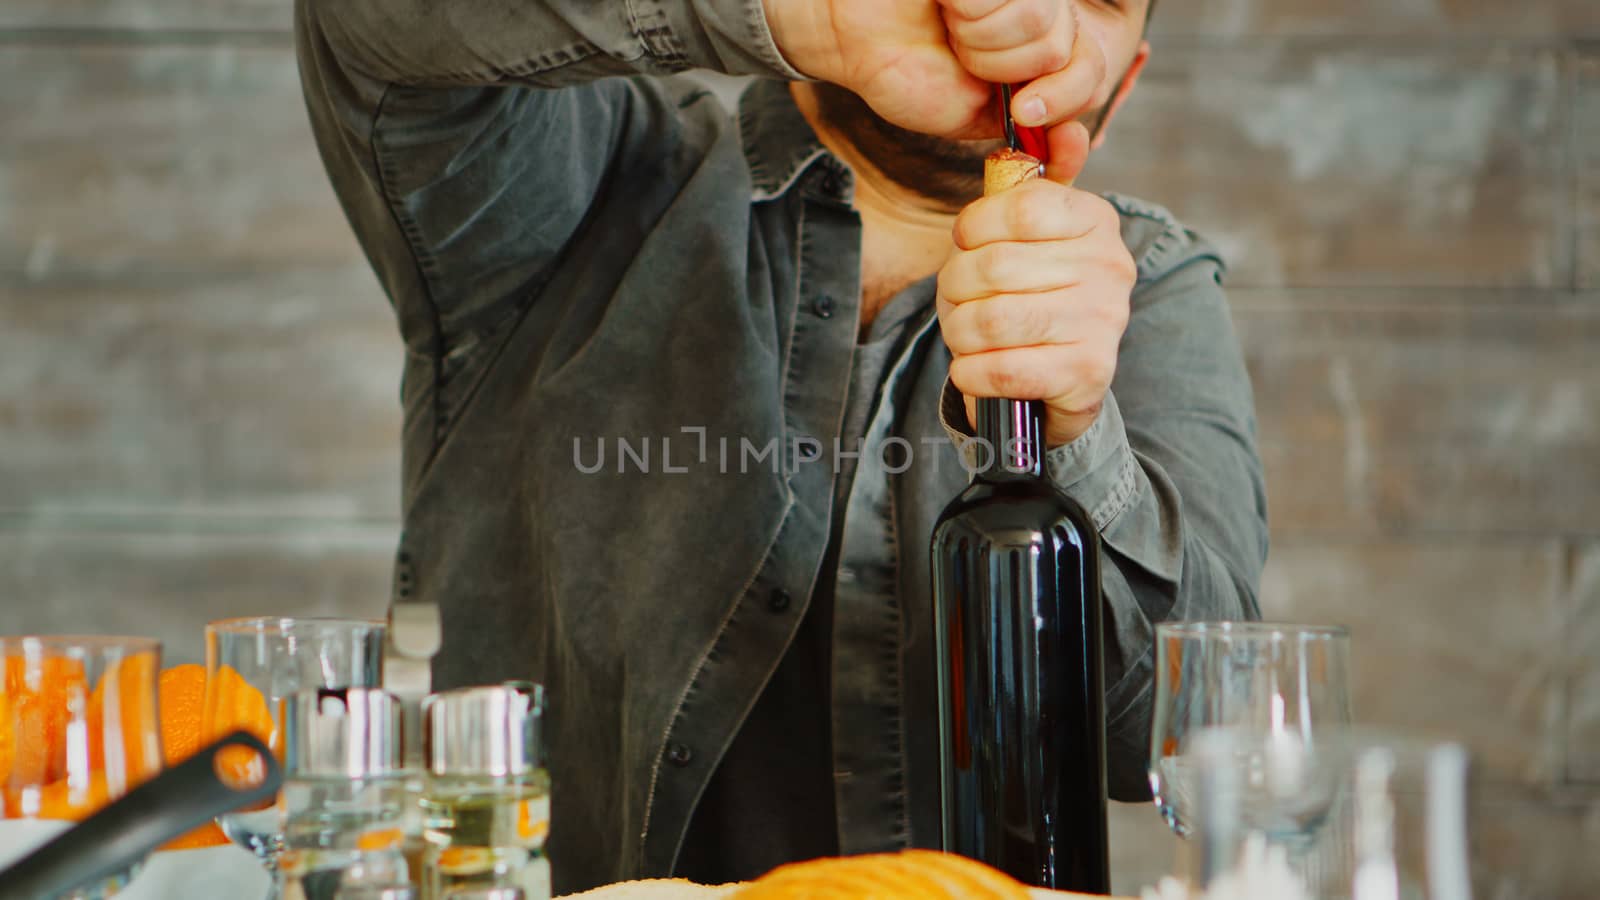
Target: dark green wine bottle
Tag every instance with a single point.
(1016, 584)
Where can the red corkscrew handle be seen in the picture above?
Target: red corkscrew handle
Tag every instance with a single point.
(1030, 140)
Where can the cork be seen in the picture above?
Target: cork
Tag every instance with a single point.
(1007, 168)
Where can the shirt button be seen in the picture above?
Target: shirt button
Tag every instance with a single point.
(807, 451)
(823, 307)
(779, 600)
(680, 755)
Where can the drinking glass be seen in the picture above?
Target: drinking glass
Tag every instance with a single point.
(78, 729)
(1286, 681)
(1385, 814)
(276, 658)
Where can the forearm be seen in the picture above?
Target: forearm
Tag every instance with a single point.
(549, 43)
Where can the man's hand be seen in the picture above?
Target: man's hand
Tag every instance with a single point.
(1035, 43)
(1034, 302)
(931, 65)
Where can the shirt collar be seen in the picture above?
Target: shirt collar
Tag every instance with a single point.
(779, 144)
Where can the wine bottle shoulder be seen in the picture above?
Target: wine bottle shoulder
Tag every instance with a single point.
(1019, 513)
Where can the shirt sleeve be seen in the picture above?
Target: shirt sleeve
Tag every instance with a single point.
(552, 43)
(1171, 476)
(469, 141)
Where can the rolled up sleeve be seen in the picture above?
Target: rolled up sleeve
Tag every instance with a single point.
(554, 43)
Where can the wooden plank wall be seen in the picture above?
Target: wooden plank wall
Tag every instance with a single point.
(198, 374)
(1408, 192)
(198, 378)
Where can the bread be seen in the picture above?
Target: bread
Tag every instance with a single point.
(656, 889)
(910, 874)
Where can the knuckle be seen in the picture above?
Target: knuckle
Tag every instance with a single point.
(973, 61)
(1097, 210)
(1033, 211)
(995, 263)
(1109, 218)
(1097, 368)
(991, 323)
(1037, 17)
(1115, 315)
(956, 337)
(1036, 322)
(963, 376)
(1015, 381)
(960, 233)
(1054, 56)
(1121, 267)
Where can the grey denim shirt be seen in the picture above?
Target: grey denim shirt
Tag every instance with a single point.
(582, 254)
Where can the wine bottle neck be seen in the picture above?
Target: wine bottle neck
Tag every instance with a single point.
(1011, 433)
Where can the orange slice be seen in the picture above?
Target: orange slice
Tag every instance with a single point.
(46, 694)
(122, 706)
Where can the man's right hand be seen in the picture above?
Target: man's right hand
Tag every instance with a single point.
(928, 65)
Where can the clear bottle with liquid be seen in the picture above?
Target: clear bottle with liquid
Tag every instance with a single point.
(486, 800)
(344, 802)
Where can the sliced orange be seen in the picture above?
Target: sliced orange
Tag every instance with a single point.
(47, 714)
(63, 800)
(122, 706)
(531, 826)
(380, 839)
(182, 697)
(8, 738)
(465, 860)
(46, 695)
(207, 835)
(30, 736)
(234, 704)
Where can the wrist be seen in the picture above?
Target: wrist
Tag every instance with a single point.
(802, 30)
(1062, 427)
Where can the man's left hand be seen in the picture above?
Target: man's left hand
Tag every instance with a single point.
(1035, 299)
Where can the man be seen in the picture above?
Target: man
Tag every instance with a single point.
(644, 342)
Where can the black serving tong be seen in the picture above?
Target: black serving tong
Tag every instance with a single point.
(130, 828)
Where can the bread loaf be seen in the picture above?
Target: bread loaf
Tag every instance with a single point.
(910, 874)
(656, 889)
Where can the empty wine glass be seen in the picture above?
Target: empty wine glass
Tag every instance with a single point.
(78, 729)
(1268, 679)
(1384, 814)
(252, 665)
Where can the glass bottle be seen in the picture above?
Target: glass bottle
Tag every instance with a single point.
(1018, 636)
(486, 802)
(344, 797)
